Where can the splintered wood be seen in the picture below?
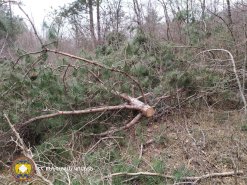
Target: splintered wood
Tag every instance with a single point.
(146, 110)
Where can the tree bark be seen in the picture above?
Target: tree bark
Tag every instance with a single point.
(203, 6)
(137, 11)
(98, 21)
(133, 104)
(168, 32)
(187, 11)
(90, 5)
(229, 14)
(118, 14)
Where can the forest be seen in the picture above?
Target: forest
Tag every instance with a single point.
(124, 92)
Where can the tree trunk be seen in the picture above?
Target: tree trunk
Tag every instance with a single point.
(98, 21)
(203, 5)
(137, 11)
(168, 32)
(90, 5)
(118, 14)
(11, 16)
(229, 14)
(187, 11)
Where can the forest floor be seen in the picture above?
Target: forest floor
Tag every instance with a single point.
(181, 145)
(194, 145)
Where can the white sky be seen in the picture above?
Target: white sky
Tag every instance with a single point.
(38, 9)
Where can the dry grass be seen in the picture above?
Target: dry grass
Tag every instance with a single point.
(206, 142)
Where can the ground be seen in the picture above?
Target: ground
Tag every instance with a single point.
(201, 143)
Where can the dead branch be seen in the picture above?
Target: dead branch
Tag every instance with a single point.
(135, 104)
(102, 139)
(146, 110)
(194, 179)
(130, 124)
(101, 66)
(26, 151)
(235, 72)
(32, 24)
(64, 79)
(26, 54)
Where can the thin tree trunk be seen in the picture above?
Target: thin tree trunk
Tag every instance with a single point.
(11, 15)
(187, 11)
(98, 21)
(138, 13)
(230, 22)
(90, 5)
(118, 14)
(229, 14)
(203, 6)
(168, 32)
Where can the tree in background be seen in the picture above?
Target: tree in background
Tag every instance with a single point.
(10, 25)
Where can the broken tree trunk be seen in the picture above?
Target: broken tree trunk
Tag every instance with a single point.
(133, 104)
(145, 109)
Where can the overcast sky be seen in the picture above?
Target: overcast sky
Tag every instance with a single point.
(38, 9)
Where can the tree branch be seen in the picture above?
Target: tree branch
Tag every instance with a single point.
(27, 152)
(194, 179)
(101, 66)
(145, 110)
(130, 124)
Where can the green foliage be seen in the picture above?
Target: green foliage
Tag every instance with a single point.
(140, 69)
(103, 50)
(54, 150)
(58, 182)
(181, 172)
(180, 79)
(10, 25)
(244, 128)
(185, 15)
(114, 41)
(159, 166)
(74, 8)
(53, 30)
(139, 44)
(194, 33)
(33, 89)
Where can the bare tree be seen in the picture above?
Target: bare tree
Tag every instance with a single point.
(168, 32)
(138, 13)
(118, 11)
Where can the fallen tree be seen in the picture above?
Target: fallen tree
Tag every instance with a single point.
(133, 104)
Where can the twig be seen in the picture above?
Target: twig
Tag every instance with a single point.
(27, 152)
(93, 147)
(76, 112)
(30, 53)
(141, 152)
(4, 44)
(194, 179)
(22, 145)
(101, 66)
(235, 72)
(130, 124)
(32, 24)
